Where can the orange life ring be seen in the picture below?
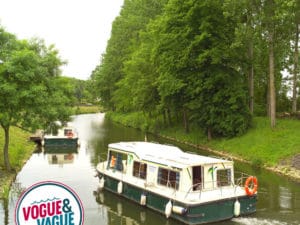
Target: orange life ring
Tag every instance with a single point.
(251, 181)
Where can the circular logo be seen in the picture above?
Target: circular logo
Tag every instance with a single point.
(49, 203)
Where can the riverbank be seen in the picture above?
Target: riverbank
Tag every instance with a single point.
(86, 109)
(20, 149)
(273, 149)
(290, 168)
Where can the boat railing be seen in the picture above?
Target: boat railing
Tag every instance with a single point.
(194, 189)
(199, 188)
(241, 178)
(102, 157)
(220, 185)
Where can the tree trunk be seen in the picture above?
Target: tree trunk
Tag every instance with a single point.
(5, 149)
(295, 75)
(209, 136)
(165, 118)
(251, 78)
(169, 117)
(185, 122)
(6, 210)
(272, 80)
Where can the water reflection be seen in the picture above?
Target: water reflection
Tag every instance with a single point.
(285, 198)
(60, 156)
(118, 210)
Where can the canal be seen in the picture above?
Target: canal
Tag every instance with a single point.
(278, 197)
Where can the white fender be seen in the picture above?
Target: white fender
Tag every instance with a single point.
(178, 209)
(120, 187)
(143, 199)
(168, 209)
(101, 183)
(237, 208)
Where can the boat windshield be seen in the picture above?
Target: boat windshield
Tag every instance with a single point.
(117, 161)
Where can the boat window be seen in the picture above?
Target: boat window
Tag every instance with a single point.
(197, 178)
(168, 178)
(117, 161)
(224, 177)
(67, 132)
(139, 170)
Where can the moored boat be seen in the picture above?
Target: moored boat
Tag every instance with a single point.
(66, 136)
(191, 188)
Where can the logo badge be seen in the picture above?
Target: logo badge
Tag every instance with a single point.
(49, 203)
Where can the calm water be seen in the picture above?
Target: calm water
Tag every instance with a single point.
(278, 198)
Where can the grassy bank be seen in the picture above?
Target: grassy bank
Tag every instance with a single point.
(20, 150)
(260, 146)
(86, 109)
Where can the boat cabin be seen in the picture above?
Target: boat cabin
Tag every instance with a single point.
(168, 166)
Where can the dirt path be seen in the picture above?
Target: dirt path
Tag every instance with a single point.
(296, 162)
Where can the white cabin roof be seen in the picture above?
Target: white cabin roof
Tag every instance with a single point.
(165, 154)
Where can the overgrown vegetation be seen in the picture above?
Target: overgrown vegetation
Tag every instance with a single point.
(21, 150)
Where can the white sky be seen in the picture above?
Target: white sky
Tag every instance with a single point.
(78, 28)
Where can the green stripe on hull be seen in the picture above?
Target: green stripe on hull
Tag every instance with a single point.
(61, 142)
(196, 214)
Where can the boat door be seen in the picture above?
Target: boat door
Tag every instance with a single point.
(197, 178)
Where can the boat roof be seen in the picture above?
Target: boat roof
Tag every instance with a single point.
(168, 155)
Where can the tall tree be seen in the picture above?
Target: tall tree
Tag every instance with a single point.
(271, 33)
(125, 38)
(26, 86)
(275, 25)
(197, 69)
(296, 56)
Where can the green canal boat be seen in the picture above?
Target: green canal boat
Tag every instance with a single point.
(65, 137)
(188, 187)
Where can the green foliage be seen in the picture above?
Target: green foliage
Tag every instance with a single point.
(124, 41)
(189, 62)
(137, 120)
(32, 93)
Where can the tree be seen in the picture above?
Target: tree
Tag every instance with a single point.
(296, 56)
(196, 60)
(124, 41)
(27, 94)
(197, 67)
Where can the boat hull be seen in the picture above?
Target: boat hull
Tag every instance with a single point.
(201, 213)
(58, 142)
